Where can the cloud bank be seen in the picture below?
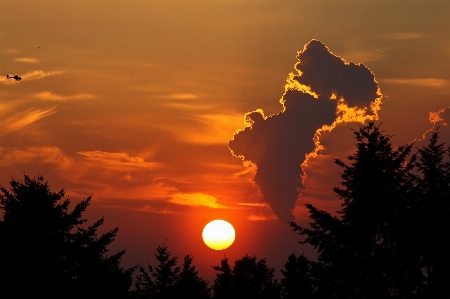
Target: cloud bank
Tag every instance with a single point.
(325, 90)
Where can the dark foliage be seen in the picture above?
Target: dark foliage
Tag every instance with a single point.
(388, 240)
(44, 250)
(432, 189)
(297, 281)
(250, 279)
(189, 284)
(166, 280)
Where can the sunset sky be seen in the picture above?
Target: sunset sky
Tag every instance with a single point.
(135, 103)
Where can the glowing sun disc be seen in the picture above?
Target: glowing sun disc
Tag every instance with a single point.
(218, 234)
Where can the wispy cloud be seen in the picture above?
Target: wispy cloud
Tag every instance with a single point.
(253, 204)
(149, 209)
(436, 117)
(39, 154)
(11, 51)
(262, 217)
(158, 191)
(187, 106)
(117, 161)
(428, 82)
(5, 108)
(146, 209)
(405, 35)
(213, 129)
(39, 74)
(32, 75)
(196, 200)
(365, 55)
(49, 96)
(26, 60)
(264, 213)
(22, 119)
(439, 119)
(182, 96)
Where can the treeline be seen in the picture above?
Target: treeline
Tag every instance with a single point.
(391, 239)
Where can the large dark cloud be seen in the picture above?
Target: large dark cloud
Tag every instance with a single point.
(278, 144)
(326, 73)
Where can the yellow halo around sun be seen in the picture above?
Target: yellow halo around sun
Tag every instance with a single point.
(218, 234)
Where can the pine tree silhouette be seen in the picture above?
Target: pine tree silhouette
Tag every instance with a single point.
(167, 280)
(365, 253)
(433, 215)
(45, 250)
(250, 278)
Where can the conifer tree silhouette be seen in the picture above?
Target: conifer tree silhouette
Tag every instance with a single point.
(365, 252)
(167, 280)
(433, 215)
(224, 283)
(297, 281)
(189, 284)
(45, 250)
(249, 278)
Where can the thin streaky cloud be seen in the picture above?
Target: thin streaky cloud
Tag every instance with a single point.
(146, 209)
(23, 119)
(156, 191)
(182, 96)
(253, 204)
(212, 129)
(185, 106)
(224, 166)
(262, 217)
(427, 82)
(39, 154)
(149, 209)
(49, 96)
(117, 161)
(32, 75)
(11, 51)
(26, 60)
(39, 74)
(405, 35)
(6, 108)
(196, 200)
(365, 55)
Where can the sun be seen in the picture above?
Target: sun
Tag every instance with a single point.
(218, 234)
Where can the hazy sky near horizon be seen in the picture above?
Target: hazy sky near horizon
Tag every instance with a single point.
(135, 102)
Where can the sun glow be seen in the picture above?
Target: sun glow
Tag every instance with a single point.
(218, 234)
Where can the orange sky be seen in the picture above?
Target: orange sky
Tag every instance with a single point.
(135, 102)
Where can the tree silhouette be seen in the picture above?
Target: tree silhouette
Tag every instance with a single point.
(250, 278)
(166, 280)
(433, 215)
(366, 252)
(297, 281)
(224, 283)
(44, 250)
(189, 284)
(164, 275)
